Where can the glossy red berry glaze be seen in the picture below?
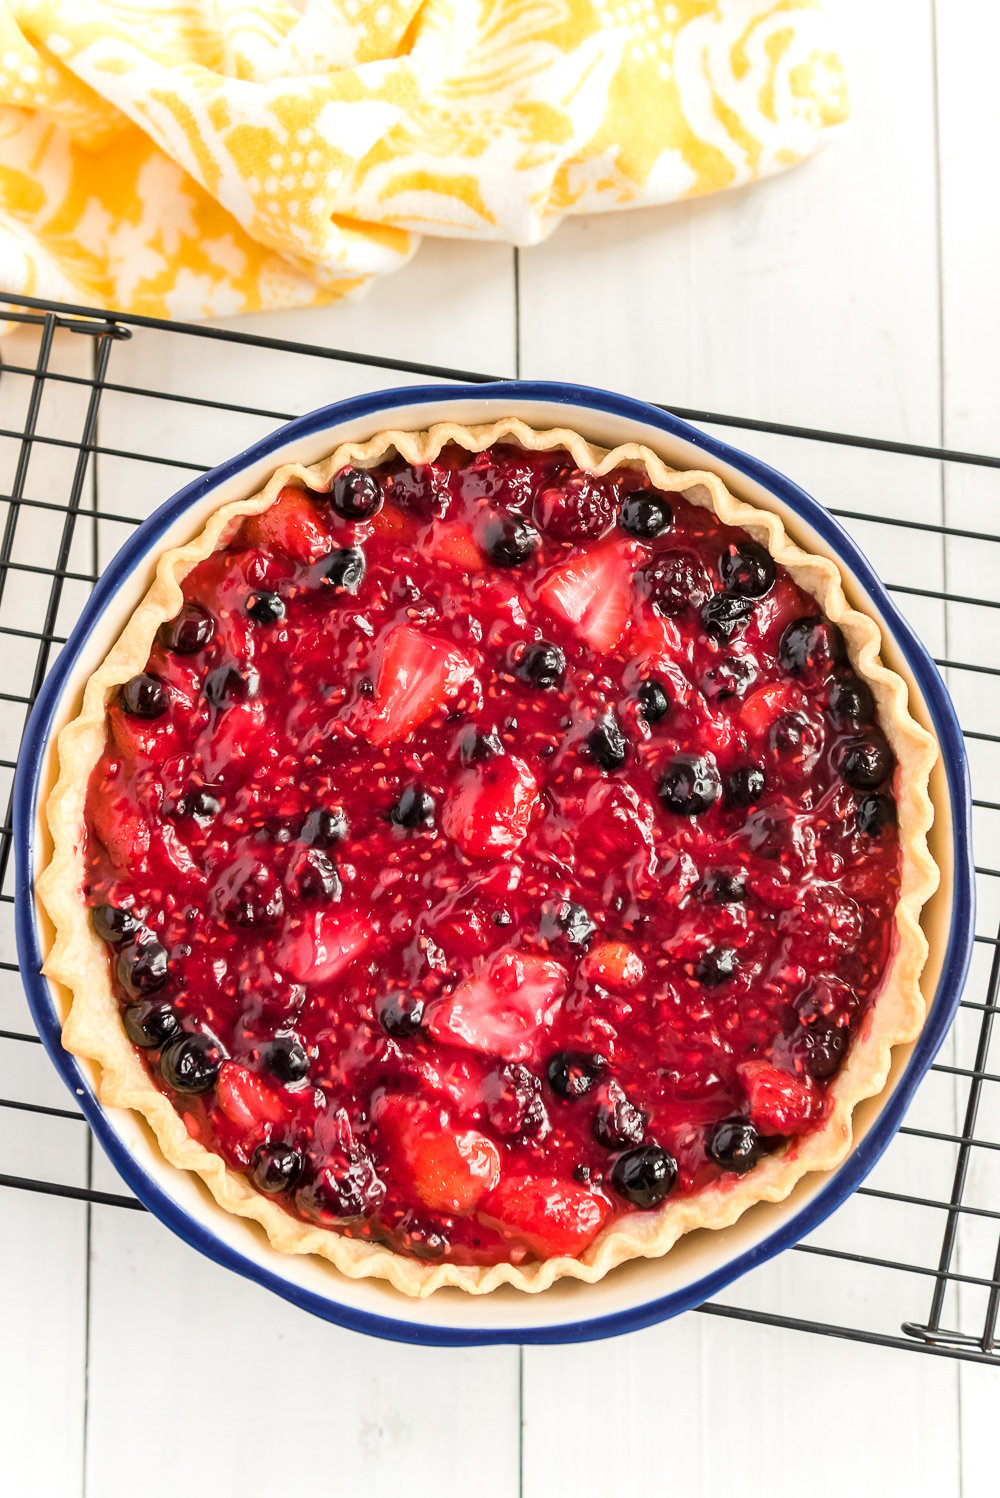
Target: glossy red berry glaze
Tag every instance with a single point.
(509, 959)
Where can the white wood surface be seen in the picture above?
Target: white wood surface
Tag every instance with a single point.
(833, 296)
(43, 1241)
(970, 220)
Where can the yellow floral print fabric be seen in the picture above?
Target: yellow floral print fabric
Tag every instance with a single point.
(194, 158)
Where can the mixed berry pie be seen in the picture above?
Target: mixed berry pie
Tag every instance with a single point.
(484, 858)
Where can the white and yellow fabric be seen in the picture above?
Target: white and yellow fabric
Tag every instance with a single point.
(190, 158)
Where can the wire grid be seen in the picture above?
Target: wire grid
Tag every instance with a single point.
(912, 1260)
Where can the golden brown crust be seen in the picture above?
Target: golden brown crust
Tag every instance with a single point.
(78, 964)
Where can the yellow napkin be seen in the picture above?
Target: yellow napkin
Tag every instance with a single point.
(191, 158)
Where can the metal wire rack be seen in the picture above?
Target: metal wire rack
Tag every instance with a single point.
(93, 408)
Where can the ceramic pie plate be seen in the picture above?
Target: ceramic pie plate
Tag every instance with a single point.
(642, 1291)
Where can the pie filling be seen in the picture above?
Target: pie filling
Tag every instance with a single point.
(489, 850)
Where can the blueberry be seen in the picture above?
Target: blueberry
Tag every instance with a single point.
(190, 1063)
(675, 581)
(200, 803)
(226, 685)
(275, 1167)
(509, 540)
(821, 1048)
(145, 696)
(618, 1122)
(286, 1058)
(572, 1074)
(825, 999)
(356, 494)
(865, 763)
(690, 785)
(258, 901)
(540, 665)
(653, 700)
(715, 966)
(645, 516)
(343, 1193)
(424, 1242)
(747, 569)
(142, 967)
(265, 608)
(400, 1014)
(258, 907)
(513, 1101)
(567, 919)
(732, 676)
(850, 702)
(406, 590)
(114, 926)
(188, 631)
(724, 614)
(745, 786)
(150, 1023)
(724, 887)
(571, 505)
(607, 745)
(644, 1177)
(796, 740)
(811, 647)
(344, 568)
(316, 878)
(415, 808)
(474, 746)
(875, 814)
(324, 828)
(735, 1144)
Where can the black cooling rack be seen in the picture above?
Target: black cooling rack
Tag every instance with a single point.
(913, 1259)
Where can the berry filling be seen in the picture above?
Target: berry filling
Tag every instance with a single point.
(488, 850)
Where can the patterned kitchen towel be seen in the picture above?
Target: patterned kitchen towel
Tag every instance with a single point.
(191, 158)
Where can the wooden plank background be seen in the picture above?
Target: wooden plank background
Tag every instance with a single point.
(857, 292)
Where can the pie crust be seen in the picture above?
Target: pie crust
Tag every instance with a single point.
(77, 962)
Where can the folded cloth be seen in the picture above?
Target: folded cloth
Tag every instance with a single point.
(195, 158)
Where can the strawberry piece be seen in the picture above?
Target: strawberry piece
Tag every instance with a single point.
(138, 738)
(120, 828)
(221, 582)
(490, 806)
(418, 673)
(448, 1170)
(327, 945)
(659, 643)
(290, 525)
(457, 1082)
(182, 678)
(768, 702)
(242, 740)
(617, 823)
(390, 521)
(615, 964)
(233, 630)
(593, 592)
(501, 1010)
(773, 613)
(550, 1217)
(779, 1102)
(455, 545)
(246, 1099)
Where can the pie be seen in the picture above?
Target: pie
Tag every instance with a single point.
(484, 858)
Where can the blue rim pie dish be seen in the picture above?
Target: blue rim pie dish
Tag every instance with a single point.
(643, 1291)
